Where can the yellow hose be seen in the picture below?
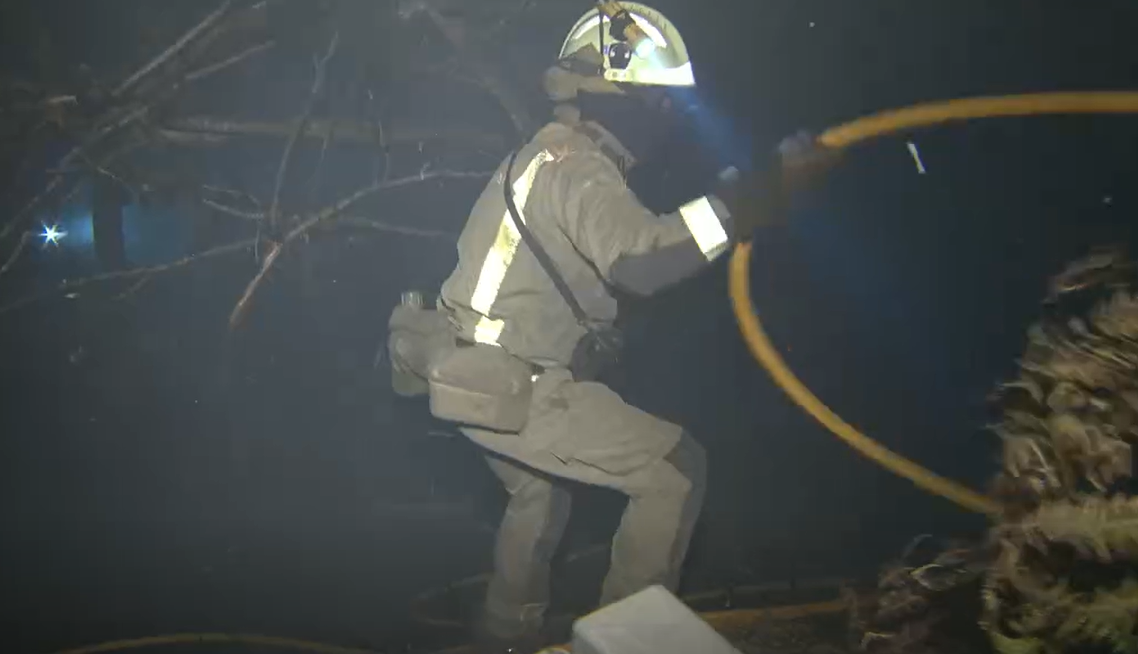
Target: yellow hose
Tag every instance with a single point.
(864, 129)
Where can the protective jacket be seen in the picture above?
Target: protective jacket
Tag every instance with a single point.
(569, 188)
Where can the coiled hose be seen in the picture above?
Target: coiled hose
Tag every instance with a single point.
(864, 129)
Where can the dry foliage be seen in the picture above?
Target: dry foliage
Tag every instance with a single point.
(1059, 572)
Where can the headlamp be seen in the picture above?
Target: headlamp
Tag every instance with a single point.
(619, 55)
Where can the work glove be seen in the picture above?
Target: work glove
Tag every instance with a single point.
(759, 198)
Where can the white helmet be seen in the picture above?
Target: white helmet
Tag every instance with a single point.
(623, 42)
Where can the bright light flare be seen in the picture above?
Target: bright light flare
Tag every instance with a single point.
(52, 234)
(645, 48)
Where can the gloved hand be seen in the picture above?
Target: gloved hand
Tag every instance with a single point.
(758, 199)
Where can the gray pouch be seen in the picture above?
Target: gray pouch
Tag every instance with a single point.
(415, 337)
(483, 386)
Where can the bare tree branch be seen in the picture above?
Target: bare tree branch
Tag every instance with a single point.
(348, 221)
(134, 287)
(191, 139)
(233, 193)
(174, 49)
(282, 170)
(239, 310)
(103, 170)
(68, 285)
(378, 225)
(314, 181)
(206, 71)
(246, 215)
(377, 121)
(185, 129)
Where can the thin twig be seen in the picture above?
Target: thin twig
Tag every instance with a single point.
(246, 215)
(282, 169)
(27, 236)
(233, 192)
(116, 121)
(174, 49)
(173, 137)
(350, 221)
(378, 225)
(383, 147)
(54, 102)
(106, 160)
(346, 131)
(328, 212)
(68, 285)
(102, 170)
(134, 287)
(60, 99)
(314, 181)
(206, 71)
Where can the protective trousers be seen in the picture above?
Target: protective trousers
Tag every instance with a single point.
(584, 432)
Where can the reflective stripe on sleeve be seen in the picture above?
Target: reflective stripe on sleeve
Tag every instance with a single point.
(501, 255)
(705, 228)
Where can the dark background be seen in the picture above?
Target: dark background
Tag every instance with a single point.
(161, 474)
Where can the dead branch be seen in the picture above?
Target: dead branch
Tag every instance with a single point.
(206, 71)
(378, 225)
(106, 160)
(191, 139)
(349, 221)
(246, 215)
(239, 310)
(314, 181)
(49, 104)
(174, 49)
(186, 129)
(68, 285)
(103, 170)
(134, 288)
(377, 113)
(229, 191)
(317, 83)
